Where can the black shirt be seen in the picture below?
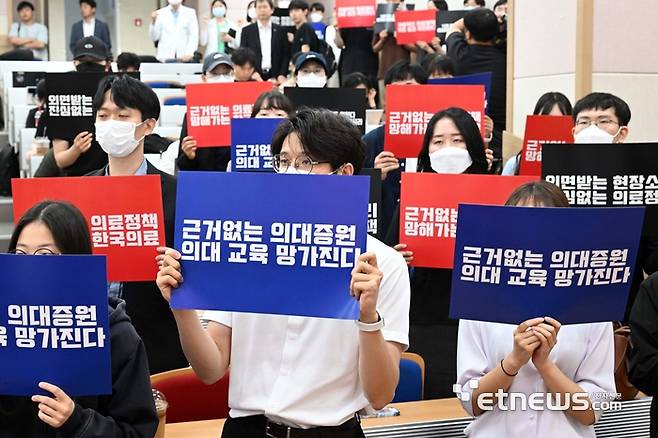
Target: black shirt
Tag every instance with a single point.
(95, 158)
(209, 159)
(305, 35)
(477, 58)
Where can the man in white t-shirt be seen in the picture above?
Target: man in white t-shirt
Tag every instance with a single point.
(295, 376)
(28, 34)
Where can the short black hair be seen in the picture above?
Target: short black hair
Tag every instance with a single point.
(437, 63)
(269, 2)
(23, 5)
(467, 128)
(298, 4)
(500, 3)
(212, 2)
(480, 3)
(355, 79)
(603, 101)
(405, 70)
(441, 5)
(325, 136)
(482, 24)
(273, 100)
(127, 92)
(317, 6)
(65, 222)
(128, 59)
(243, 56)
(91, 3)
(548, 100)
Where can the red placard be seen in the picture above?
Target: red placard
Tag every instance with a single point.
(414, 26)
(539, 130)
(410, 107)
(210, 108)
(428, 210)
(355, 13)
(124, 214)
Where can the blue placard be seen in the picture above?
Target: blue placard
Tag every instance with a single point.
(320, 29)
(474, 79)
(276, 244)
(54, 325)
(251, 141)
(575, 265)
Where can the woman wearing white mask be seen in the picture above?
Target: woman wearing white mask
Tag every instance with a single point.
(310, 71)
(453, 144)
(215, 37)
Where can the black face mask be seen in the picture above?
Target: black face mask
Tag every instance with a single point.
(90, 67)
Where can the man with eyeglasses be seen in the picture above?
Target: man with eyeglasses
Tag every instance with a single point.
(304, 377)
(601, 118)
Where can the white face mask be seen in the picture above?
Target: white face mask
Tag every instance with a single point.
(594, 134)
(175, 2)
(221, 79)
(117, 138)
(469, 8)
(283, 4)
(311, 80)
(251, 13)
(219, 12)
(316, 17)
(450, 159)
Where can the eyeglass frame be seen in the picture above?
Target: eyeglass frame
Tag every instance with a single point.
(580, 123)
(48, 252)
(294, 163)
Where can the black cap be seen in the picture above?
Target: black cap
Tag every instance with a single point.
(310, 56)
(92, 47)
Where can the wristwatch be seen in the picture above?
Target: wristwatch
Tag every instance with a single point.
(371, 327)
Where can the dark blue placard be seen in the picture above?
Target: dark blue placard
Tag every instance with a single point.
(320, 29)
(474, 79)
(544, 231)
(50, 281)
(251, 141)
(215, 274)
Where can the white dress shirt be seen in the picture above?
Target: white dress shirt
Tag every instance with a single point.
(584, 353)
(304, 372)
(177, 37)
(265, 35)
(88, 28)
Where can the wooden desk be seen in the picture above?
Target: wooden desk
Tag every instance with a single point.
(413, 412)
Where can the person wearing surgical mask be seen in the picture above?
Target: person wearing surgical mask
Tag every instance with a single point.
(217, 68)
(310, 70)
(601, 118)
(251, 12)
(215, 37)
(127, 110)
(452, 145)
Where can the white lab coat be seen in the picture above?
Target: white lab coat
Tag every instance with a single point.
(176, 38)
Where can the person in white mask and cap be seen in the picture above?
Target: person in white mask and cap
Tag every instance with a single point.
(601, 118)
(175, 29)
(452, 144)
(127, 110)
(310, 70)
(218, 68)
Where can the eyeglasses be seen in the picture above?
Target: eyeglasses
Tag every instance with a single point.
(601, 123)
(40, 251)
(303, 164)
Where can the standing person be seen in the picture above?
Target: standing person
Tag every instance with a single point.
(390, 52)
(28, 34)
(296, 376)
(317, 19)
(471, 46)
(528, 359)
(452, 145)
(356, 52)
(127, 110)
(215, 37)
(304, 38)
(269, 42)
(90, 26)
(54, 228)
(176, 31)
